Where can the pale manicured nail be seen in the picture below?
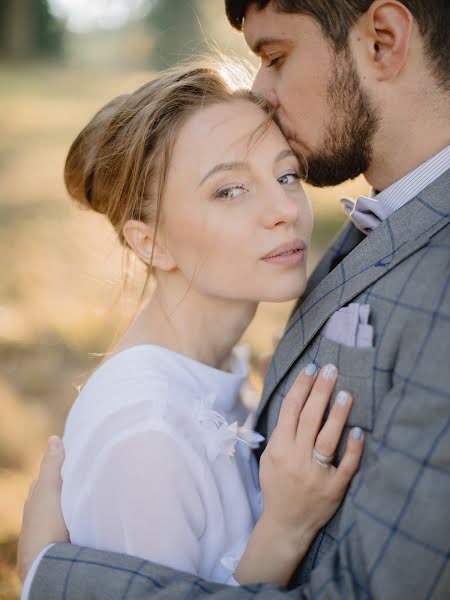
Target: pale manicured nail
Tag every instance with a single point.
(310, 370)
(342, 398)
(328, 372)
(357, 433)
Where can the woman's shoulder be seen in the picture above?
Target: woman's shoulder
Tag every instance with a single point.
(122, 379)
(139, 386)
(132, 363)
(130, 376)
(135, 395)
(131, 453)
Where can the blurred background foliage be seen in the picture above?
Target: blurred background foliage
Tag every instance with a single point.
(61, 297)
(29, 30)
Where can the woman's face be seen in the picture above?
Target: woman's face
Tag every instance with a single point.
(235, 217)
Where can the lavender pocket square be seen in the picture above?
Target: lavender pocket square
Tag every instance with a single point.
(350, 326)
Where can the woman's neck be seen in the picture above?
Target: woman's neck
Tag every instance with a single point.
(203, 328)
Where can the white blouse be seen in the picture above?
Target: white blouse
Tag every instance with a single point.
(159, 462)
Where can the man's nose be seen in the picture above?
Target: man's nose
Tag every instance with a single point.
(263, 88)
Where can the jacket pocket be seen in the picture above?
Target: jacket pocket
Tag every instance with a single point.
(356, 375)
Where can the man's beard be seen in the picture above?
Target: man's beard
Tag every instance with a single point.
(346, 150)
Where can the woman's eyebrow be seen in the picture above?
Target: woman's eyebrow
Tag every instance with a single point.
(285, 154)
(227, 166)
(242, 165)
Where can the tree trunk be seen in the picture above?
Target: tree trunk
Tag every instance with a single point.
(19, 28)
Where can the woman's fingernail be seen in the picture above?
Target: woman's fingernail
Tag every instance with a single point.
(328, 372)
(342, 398)
(357, 433)
(310, 370)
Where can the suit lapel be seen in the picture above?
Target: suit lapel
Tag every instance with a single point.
(402, 234)
(346, 240)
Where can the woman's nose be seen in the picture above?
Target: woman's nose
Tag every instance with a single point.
(281, 208)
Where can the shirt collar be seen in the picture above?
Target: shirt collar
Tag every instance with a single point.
(406, 188)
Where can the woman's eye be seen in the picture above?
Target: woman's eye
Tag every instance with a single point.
(289, 178)
(230, 192)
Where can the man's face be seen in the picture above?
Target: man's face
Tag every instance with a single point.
(320, 104)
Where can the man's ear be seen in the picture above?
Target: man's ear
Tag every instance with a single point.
(141, 238)
(386, 29)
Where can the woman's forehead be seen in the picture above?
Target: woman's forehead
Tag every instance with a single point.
(224, 132)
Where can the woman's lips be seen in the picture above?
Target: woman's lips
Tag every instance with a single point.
(289, 254)
(292, 258)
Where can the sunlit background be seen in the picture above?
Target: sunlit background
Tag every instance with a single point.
(61, 299)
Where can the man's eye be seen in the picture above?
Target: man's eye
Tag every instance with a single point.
(272, 61)
(230, 192)
(289, 178)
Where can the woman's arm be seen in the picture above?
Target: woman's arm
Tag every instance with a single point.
(144, 501)
(300, 494)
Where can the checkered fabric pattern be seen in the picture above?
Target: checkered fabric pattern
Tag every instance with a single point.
(390, 538)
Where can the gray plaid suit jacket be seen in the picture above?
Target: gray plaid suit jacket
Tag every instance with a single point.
(391, 537)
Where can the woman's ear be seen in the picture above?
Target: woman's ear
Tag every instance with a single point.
(141, 238)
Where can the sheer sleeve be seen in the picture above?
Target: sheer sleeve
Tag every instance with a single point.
(147, 503)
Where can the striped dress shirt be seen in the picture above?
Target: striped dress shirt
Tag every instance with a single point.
(406, 188)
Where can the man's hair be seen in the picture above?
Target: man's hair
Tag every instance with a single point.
(337, 17)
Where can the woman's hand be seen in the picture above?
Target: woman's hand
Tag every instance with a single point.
(301, 487)
(43, 521)
(301, 491)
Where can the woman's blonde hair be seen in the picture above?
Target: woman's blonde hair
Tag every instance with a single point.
(119, 162)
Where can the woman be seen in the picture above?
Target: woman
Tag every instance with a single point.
(202, 186)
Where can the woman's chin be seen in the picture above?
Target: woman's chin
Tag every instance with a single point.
(284, 295)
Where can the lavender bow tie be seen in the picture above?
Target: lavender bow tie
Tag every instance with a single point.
(366, 213)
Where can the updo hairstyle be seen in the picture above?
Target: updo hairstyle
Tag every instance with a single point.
(119, 162)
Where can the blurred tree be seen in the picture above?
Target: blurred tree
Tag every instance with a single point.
(29, 30)
(177, 30)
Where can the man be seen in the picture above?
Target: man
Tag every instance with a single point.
(358, 86)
